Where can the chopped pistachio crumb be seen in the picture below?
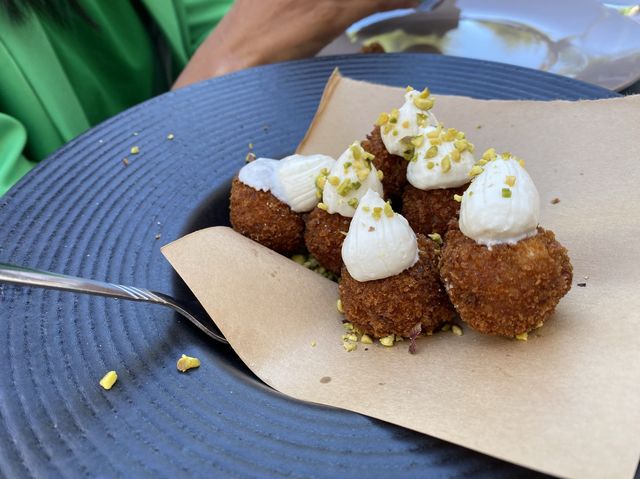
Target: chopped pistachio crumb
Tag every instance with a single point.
(353, 202)
(394, 132)
(313, 344)
(347, 326)
(476, 170)
(446, 327)
(249, 158)
(510, 180)
(436, 237)
(522, 162)
(299, 258)
(135, 150)
(522, 336)
(334, 180)
(366, 209)
(506, 193)
(380, 175)
(446, 164)
(323, 206)
(383, 118)
(366, 339)
(430, 165)
(458, 198)
(388, 211)
(406, 124)
(455, 156)
(422, 101)
(490, 154)
(346, 165)
(409, 88)
(344, 187)
(377, 212)
(457, 330)
(431, 152)
(349, 346)
(388, 341)
(187, 362)
(339, 307)
(417, 141)
(108, 380)
(539, 325)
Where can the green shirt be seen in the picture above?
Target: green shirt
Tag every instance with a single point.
(56, 80)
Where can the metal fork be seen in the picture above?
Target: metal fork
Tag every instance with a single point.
(43, 279)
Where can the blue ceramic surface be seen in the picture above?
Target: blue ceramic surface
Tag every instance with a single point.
(83, 212)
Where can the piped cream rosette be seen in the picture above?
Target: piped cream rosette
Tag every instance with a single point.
(292, 180)
(502, 204)
(380, 243)
(352, 175)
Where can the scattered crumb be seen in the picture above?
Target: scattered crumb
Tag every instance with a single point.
(158, 236)
(457, 330)
(586, 277)
(249, 158)
(108, 380)
(478, 127)
(313, 344)
(135, 150)
(349, 346)
(170, 136)
(125, 161)
(366, 339)
(325, 379)
(251, 146)
(555, 201)
(100, 141)
(582, 285)
(339, 307)
(522, 336)
(539, 325)
(388, 341)
(187, 362)
(446, 327)
(135, 133)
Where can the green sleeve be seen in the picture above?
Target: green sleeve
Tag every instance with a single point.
(13, 164)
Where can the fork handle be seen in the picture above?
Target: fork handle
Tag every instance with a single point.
(32, 277)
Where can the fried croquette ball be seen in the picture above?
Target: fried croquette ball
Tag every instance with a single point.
(393, 167)
(396, 304)
(324, 235)
(262, 217)
(508, 289)
(430, 211)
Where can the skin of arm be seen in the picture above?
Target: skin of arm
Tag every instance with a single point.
(257, 32)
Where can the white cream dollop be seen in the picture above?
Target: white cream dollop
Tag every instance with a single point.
(258, 174)
(380, 243)
(407, 121)
(349, 179)
(502, 205)
(294, 180)
(443, 159)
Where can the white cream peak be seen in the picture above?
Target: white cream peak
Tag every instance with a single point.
(351, 176)
(444, 165)
(396, 136)
(294, 180)
(380, 243)
(502, 204)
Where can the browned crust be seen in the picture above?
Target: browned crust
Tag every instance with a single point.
(262, 217)
(396, 304)
(393, 167)
(324, 235)
(431, 211)
(509, 289)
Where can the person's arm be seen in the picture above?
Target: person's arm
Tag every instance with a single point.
(256, 32)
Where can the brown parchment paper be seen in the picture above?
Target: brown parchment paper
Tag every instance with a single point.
(567, 401)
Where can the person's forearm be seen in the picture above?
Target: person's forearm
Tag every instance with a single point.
(256, 32)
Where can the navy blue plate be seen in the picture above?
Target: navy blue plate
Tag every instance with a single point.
(83, 212)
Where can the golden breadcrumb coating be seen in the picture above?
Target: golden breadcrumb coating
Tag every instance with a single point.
(430, 211)
(393, 167)
(396, 304)
(324, 235)
(262, 217)
(509, 289)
